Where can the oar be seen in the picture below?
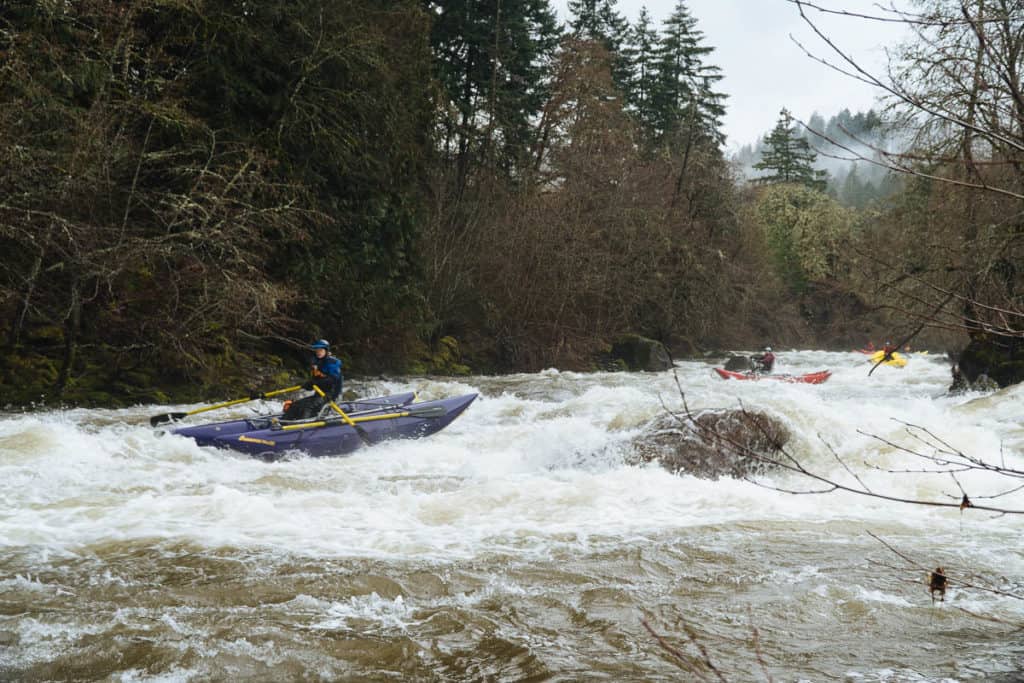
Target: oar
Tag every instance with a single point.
(359, 430)
(425, 411)
(174, 417)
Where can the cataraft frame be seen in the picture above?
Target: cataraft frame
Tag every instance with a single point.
(205, 434)
(270, 440)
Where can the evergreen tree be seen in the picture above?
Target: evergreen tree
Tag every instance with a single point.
(816, 124)
(492, 59)
(598, 20)
(685, 97)
(789, 158)
(855, 191)
(640, 53)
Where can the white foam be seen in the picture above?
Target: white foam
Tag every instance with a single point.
(535, 464)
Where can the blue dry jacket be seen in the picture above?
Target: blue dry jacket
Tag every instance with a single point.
(327, 375)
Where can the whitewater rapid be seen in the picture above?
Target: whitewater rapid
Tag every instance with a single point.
(520, 541)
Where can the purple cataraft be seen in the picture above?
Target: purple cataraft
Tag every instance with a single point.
(373, 420)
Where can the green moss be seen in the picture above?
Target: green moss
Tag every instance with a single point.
(416, 368)
(444, 359)
(47, 334)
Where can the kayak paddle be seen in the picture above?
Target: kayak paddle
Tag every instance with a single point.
(426, 411)
(174, 417)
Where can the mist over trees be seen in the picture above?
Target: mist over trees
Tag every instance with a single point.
(855, 181)
(437, 185)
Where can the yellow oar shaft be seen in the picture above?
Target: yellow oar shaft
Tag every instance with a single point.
(242, 400)
(334, 405)
(219, 405)
(283, 391)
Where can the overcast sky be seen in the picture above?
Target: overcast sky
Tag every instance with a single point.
(764, 70)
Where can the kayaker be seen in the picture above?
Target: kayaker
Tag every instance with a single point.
(764, 362)
(888, 349)
(326, 374)
(960, 383)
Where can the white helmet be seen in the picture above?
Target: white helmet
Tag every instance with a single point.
(768, 349)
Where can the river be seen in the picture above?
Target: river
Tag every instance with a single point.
(519, 544)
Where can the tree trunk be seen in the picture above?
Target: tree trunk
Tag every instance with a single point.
(14, 337)
(72, 324)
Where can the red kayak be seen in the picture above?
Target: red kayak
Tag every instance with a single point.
(809, 378)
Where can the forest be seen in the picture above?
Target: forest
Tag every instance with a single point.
(192, 191)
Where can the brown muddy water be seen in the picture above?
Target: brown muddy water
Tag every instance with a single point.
(516, 545)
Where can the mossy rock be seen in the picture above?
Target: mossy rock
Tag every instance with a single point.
(615, 365)
(30, 373)
(444, 359)
(416, 368)
(1002, 361)
(640, 353)
(738, 363)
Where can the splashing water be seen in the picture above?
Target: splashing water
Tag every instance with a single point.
(517, 543)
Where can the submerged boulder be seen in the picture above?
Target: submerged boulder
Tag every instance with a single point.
(714, 443)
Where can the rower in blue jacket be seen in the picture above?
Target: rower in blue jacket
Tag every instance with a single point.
(326, 374)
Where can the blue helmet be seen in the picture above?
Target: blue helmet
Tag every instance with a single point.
(320, 344)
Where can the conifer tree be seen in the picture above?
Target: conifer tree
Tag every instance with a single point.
(788, 157)
(855, 191)
(598, 20)
(492, 60)
(685, 97)
(640, 53)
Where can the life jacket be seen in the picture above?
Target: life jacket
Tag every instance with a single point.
(328, 368)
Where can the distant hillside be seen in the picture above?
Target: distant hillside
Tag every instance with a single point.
(854, 183)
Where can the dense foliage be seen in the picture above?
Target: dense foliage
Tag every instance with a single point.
(176, 175)
(189, 191)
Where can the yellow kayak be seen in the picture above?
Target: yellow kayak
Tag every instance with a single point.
(898, 360)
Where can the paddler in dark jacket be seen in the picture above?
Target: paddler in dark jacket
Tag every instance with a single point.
(326, 374)
(765, 362)
(888, 350)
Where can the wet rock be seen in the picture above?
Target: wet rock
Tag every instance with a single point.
(960, 383)
(984, 383)
(738, 363)
(1000, 359)
(719, 443)
(640, 353)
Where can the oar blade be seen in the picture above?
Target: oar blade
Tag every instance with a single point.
(157, 420)
(427, 411)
